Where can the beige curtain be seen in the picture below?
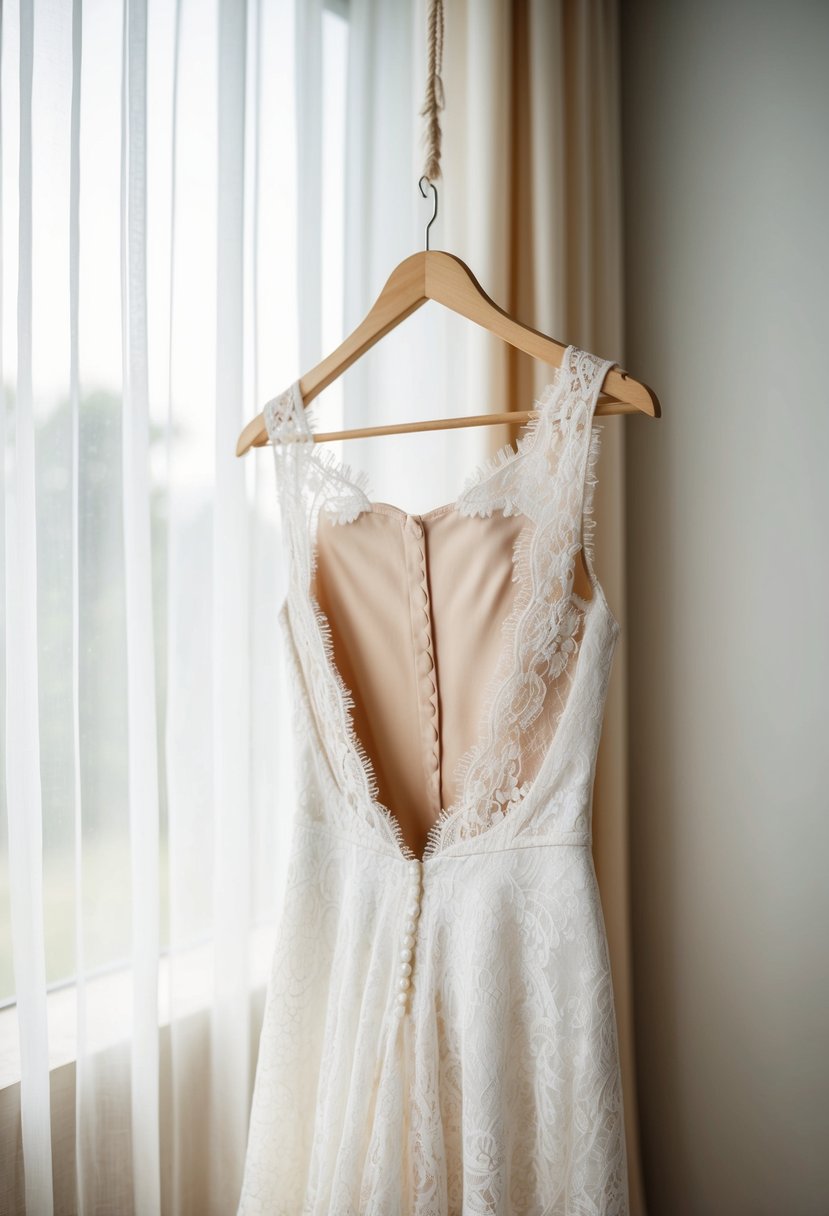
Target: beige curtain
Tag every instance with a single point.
(531, 192)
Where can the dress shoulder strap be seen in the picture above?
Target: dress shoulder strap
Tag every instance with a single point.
(292, 442)
(309, 479)
(286, 419)
(578, 443)
(292, 445)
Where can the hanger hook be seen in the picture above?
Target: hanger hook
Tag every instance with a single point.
(423, 179)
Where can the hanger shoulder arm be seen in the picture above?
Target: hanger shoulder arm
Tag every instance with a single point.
(450, 282)
(402, 294)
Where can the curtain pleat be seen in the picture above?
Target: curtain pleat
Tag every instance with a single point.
(232, 643)
(308, 58)
(100, 1170)
(190, 470)
(138, 582)
(82, 1170)
(23, 756)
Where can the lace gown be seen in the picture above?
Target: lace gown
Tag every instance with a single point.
(439, 1034)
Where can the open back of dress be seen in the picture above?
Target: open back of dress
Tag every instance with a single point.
(417, 606)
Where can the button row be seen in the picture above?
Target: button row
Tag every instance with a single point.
(407, 941)
(424, 657)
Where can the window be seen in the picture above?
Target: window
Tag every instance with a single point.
(87, 527)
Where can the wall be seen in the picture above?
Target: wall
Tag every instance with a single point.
(726, 165)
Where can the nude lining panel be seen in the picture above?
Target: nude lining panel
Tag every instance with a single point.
(416, 614)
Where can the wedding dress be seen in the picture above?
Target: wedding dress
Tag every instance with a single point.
(439, 1034)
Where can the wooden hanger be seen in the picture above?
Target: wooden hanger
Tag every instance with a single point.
(434, 275)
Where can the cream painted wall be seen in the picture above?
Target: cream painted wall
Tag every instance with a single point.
(726, 163)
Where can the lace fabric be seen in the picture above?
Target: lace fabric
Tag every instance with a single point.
(499, 1091)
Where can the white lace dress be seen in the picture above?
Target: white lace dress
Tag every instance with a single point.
(439, 1033)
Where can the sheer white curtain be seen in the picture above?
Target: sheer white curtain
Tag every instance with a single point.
(436, 363)
(155, 166)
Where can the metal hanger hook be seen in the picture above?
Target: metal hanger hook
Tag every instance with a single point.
(423, 179)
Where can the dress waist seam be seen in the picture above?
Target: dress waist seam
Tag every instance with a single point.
(572, 839)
